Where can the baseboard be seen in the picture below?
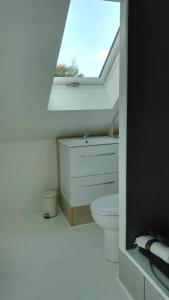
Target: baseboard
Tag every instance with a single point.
(75, 216)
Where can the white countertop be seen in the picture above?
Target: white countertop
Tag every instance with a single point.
(89, 141)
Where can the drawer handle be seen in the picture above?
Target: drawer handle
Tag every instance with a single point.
(102, 154)
(94, 184)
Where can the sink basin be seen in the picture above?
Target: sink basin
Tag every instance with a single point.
(89, 141)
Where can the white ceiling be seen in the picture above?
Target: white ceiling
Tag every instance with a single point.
(30, 37)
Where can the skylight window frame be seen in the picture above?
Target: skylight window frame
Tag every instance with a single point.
(114, 50)
(104, 72)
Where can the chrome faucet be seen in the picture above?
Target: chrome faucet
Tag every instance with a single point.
(85, 134)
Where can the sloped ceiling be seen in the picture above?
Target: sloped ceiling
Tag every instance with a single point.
(30, 38)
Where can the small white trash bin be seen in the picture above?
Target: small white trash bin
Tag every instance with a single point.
(50, 205)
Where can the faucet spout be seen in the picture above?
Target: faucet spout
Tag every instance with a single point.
(85, 134)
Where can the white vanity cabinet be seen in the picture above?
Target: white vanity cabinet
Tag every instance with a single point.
(88, 169)
(93, 160)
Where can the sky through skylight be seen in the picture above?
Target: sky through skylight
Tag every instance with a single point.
(90, 30)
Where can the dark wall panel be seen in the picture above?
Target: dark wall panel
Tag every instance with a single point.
(150, 21)
(148, 150)
(148, 118)
(149, 76)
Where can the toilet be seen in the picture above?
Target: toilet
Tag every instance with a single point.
(105, 212)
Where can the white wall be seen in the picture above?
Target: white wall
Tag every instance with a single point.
(112, 89)
(27, 169)
(112, 82)
(30, 37)
(83, 97)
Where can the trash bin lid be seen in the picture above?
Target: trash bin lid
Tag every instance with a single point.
(50, 194)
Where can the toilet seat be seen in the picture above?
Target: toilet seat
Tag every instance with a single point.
(107, 205)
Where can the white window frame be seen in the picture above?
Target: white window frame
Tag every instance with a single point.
(115, 48)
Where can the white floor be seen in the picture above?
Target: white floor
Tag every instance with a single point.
(46, 259)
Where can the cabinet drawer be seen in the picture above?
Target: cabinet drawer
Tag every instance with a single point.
(93, 160)
(84, 190)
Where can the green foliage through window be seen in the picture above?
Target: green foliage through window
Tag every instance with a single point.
(62, 70)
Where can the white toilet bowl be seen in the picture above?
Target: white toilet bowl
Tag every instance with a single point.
(105, 212)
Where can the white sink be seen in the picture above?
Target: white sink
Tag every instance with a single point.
(89, 141)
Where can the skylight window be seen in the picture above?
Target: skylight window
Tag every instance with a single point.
(90, 31)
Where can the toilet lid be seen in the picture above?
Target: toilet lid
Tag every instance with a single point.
(107, 205)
